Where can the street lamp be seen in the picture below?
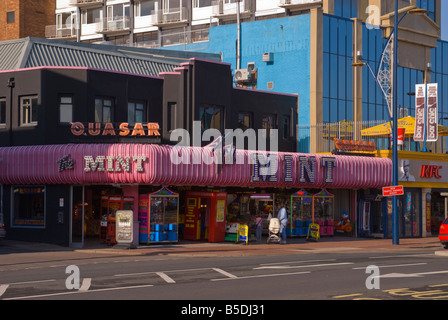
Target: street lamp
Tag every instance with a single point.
(395, 220)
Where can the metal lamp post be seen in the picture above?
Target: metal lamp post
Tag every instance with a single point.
(394, 116)
(395, 220)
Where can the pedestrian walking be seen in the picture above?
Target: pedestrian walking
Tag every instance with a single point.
(283, 218)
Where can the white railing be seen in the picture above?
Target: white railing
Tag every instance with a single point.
(184, 37)
(222, 8)
(116, 24)
(63, 31)
(295, 2)
(172, 16)
(86, 2)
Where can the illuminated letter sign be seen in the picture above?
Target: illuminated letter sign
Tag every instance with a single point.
(94, 129)
(429, 171)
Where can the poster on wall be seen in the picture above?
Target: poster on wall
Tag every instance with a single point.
(431, 112)
(220, 210)
(420, 100)
(124, 226)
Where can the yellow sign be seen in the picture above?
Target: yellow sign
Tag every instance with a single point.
(408, 123)
(313, 232)
(242, 233)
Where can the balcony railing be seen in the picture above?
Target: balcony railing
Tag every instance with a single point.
(220, 8)
(63, 31)
(172, 16)
(86, 3)
(115, 25)
(285, 3)
(170, 38)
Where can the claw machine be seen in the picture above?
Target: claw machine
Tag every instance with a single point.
(158, 216)
(301, 212)
(323, 212)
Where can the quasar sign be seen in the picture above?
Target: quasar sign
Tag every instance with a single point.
(96, 129)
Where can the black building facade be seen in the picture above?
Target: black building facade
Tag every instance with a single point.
(49, 106)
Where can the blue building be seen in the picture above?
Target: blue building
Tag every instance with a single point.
(336, 55)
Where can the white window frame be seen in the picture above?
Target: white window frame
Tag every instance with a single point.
(30, 107)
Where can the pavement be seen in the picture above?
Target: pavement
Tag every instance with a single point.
(12, 251)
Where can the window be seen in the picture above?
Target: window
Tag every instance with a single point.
(171, 5)
(10, 17)
(91, 16)
(244, 120)
(147, 38)
(145, 8)
(269, 122)
(172, 116)
(211, 117)
(137, 112)
(104, 110)
(28, 209)
(2, 112)
(28, 111)
(201, 3)
(65, 109)
(285, 127)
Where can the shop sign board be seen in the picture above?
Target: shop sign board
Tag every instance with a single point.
(431, 113)
(243, 233)
(426, 111)
(354, 145)
(313, 232)
(124, 226)
(97, 128)
(420, 101)
(393, 191)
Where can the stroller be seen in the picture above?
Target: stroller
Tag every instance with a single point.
(274, 231)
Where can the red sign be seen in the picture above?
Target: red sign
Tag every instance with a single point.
(393, 191)
(420, 100)
(351, 145)
(430, 171)
(431, 113)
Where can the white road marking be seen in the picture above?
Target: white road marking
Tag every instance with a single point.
(76, 292)
(85, 284)
(412, 275)
(292, 262)
(403, 256)
(165, 277)
(153, 272)
(395, 265)
(263, 276)
(36, 281)
(305, 266)
(227, 274)
(3, 288)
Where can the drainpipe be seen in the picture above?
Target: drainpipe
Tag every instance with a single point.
(131, 22)
(238, 39)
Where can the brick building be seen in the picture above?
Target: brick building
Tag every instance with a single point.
(22, 18)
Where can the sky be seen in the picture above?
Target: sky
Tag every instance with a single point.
(444, 26)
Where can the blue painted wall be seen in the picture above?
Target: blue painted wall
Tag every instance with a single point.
(287, 38)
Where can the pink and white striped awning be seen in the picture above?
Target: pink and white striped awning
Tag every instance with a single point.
(156, 164)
